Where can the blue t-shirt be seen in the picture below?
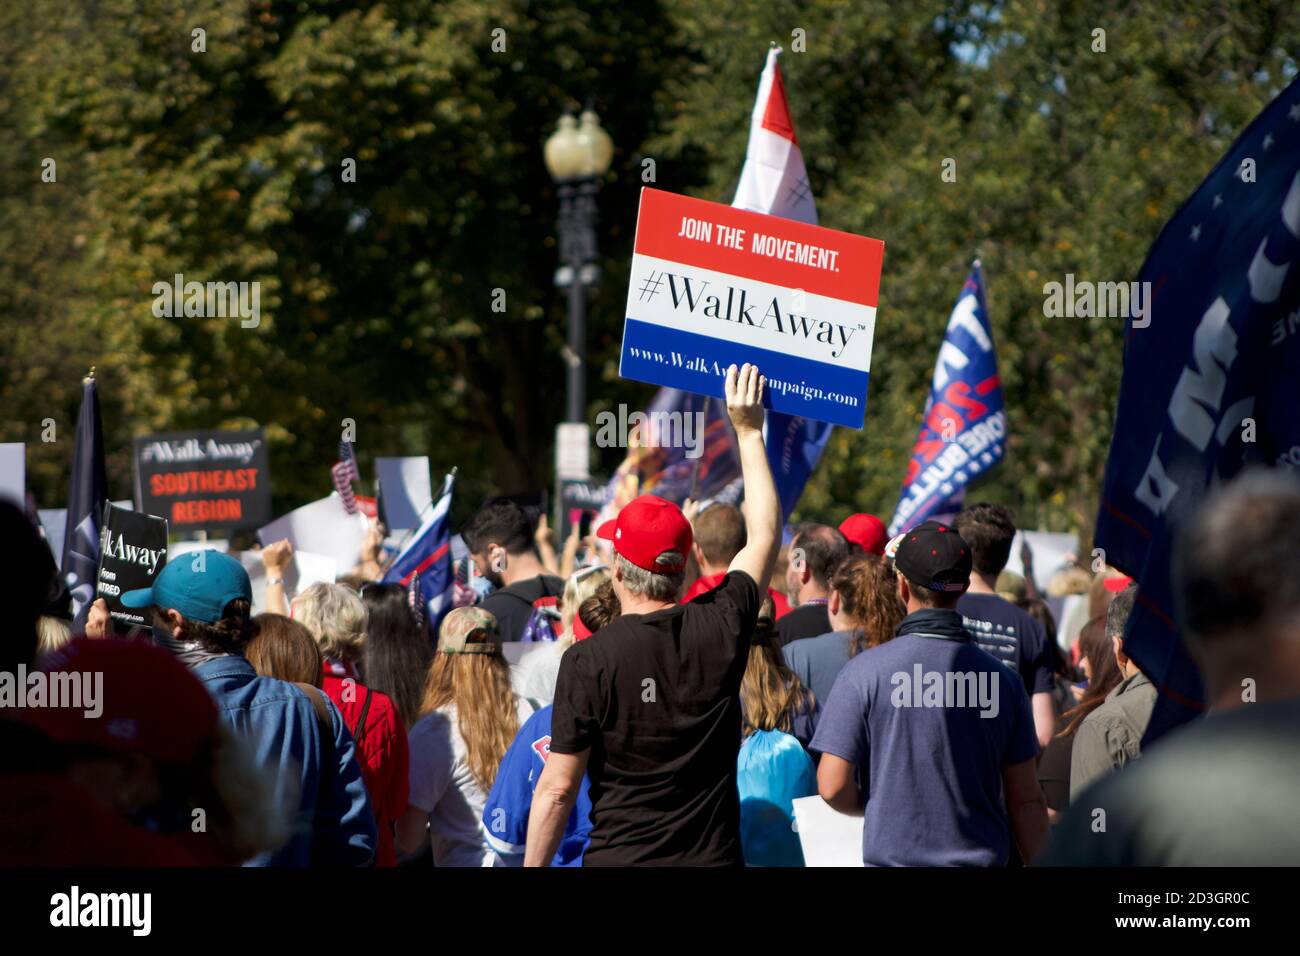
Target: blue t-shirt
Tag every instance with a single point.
(930, 720)
(817, 661)
(506, 812)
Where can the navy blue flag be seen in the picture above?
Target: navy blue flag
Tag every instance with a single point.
(87, 492)
(1209, 386)
(794, 444)
(963, 426)
(426, 558)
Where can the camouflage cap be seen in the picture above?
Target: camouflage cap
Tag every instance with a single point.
(469, 630)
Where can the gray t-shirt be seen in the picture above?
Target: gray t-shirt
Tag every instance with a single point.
(1218, 792)
(817, 661)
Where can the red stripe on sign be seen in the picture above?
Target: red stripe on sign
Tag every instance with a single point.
(835, 264)
(424, 565)
(776, 116)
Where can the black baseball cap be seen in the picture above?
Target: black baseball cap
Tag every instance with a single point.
(935, 556)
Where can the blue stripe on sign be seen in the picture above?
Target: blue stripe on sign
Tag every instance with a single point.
(697, 363)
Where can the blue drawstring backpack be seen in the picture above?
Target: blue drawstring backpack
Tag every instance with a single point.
(773, 769)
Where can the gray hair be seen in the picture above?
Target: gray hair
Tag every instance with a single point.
(1120, 608)
(336, 617)
(648, 584)
(1237, 567)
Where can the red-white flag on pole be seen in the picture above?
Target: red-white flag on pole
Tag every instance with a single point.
(774, 180)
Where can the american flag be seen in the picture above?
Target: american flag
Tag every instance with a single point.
(344, 473)
(425, 560)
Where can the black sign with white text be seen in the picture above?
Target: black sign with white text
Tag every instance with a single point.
(204, 480)
(133, 549)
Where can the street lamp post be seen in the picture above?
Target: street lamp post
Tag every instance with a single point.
(577, 156)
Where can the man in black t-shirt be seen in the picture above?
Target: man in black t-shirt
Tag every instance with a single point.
(649, 707)
(500, 542)
(998, 626)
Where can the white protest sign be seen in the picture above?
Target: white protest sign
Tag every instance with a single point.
(516, 651)
(322, 527)
(572, 450)
(406, 489)
(54, 522)
(13, 473)
(712, 286)
(828, 837)
(1049, 552)
(304, 570)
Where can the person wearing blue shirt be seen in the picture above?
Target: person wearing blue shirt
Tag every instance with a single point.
(506, 813)
(205, 599)
(929, 738)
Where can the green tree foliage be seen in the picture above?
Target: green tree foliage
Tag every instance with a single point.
(376, 295)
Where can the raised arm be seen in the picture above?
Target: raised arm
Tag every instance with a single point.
(744, 390)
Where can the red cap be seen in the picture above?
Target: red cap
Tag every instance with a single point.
(646, 528)
(1117, 584)
(865, 530)
(148, 702)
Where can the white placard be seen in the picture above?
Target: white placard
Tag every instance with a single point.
(828, 837)
(407, 490)
(54, 522)
(572, 451)
(1049, 548)
(516, 651)
(304, 570)
(322, 527)
(13, 473)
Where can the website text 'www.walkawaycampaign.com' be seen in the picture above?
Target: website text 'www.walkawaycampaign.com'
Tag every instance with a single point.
(701, 364)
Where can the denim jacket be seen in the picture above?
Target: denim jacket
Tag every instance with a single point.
(334, 824)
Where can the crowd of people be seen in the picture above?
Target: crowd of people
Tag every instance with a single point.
(691, 674)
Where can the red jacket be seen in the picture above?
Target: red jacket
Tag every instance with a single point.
(381, 749)
(711, 581)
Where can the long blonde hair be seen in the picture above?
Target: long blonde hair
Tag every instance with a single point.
(479, 686)
(770, 693)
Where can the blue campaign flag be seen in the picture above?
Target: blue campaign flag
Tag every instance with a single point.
(794, 444)
(963, 427)
(87, 492)
(426, 558)
(1211, 361)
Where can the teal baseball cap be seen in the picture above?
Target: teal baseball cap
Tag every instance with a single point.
(199, 585)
